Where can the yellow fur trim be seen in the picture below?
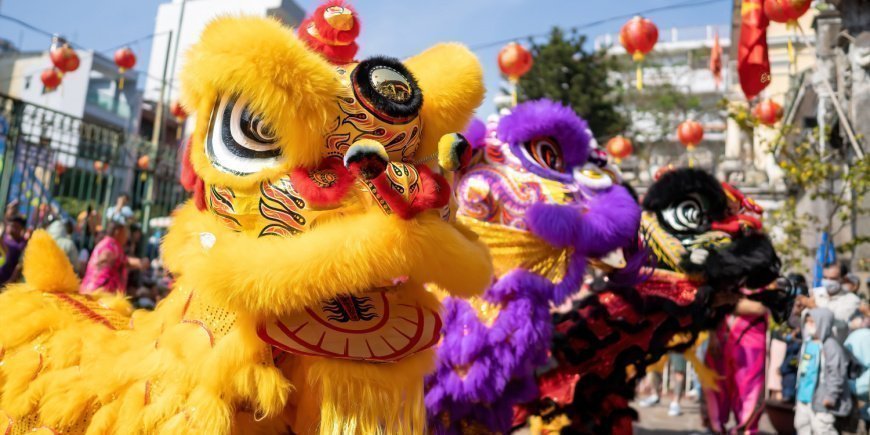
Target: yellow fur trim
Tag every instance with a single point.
(293, 88)
(452, 82)
(272, 276)
(43, 254)
(363, 398)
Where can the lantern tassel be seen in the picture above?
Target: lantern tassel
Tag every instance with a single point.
(639, 74)
(514, 81)
(121, 79)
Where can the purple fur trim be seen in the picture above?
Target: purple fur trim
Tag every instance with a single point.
(547, 118)
(606, 222)
(475, 133)
(482, 372)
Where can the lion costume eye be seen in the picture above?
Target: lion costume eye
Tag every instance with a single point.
(545, 152)
(686, 216)
(240, 141)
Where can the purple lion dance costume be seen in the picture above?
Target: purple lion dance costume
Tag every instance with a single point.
(547, 204)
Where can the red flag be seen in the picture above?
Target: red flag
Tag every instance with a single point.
(753, 66)
(716, 60)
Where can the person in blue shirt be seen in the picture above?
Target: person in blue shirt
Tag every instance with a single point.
(822, 385)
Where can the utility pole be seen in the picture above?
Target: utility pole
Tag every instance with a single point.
(175, 49)
(155, 141)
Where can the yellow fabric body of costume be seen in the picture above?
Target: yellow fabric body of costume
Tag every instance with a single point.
(76, 364)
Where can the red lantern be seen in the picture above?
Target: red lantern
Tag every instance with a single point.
(786, 11)
(99, 166)
(125, 59)
(690, 133)
(514, 61)
(51, 78)
(619, 147)
(64, 58)
(767, 112)
(638, 36)
(178, 111)
(144, 162)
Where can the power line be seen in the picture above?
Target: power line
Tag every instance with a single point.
(681, 5)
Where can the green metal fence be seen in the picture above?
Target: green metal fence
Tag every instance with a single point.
(56, 163)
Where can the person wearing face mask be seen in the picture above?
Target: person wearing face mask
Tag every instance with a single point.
(822, 386)
(832, 295)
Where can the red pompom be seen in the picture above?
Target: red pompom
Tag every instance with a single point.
(434, 193)
(332, 31)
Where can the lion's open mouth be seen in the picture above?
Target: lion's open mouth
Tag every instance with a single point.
(376, 326)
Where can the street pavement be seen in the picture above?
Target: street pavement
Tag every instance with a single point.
(655, 420)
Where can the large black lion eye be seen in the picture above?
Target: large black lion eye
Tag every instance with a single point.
(687, 215)
(239, 140)
(387, 89)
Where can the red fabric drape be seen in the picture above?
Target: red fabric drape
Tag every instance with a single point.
(753, 65)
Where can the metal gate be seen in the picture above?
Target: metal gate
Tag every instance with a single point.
(53, 163)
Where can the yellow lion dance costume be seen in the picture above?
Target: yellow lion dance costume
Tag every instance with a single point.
(299, 303)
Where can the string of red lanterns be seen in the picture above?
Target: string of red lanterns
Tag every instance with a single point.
(51, 78)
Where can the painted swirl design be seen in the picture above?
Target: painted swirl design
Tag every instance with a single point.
(281, 205)
(220, 202)
(491, 195)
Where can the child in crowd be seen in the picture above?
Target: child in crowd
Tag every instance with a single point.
(822, 386)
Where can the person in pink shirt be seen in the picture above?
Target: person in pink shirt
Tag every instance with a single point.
(737, 353)
(107, 267)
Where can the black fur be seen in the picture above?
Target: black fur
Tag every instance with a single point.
(749, 261)
(678, 184)
(395, 112)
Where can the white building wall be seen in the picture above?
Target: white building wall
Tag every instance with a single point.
(68, 98)
(197, 14)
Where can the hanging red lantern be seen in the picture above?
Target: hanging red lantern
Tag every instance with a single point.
(144, 162)
(64, 58)
(514, 61)
(126, 60)
(51, 78)
(638, 36)
(767, 112)
(178, 111)
(99, 166)
(786, 11)
(690, 133)
(619, 147)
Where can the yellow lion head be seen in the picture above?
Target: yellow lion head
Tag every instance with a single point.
(312, 179)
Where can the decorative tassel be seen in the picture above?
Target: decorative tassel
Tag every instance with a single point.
(639, 81)
(121, 79)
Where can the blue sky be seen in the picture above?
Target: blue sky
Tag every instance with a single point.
(391, 27)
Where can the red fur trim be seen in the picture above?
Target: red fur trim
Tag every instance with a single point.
(336, 54)
(323, 196)
(735, 224)
(190, 180)
(199, 194)
(434, 193)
